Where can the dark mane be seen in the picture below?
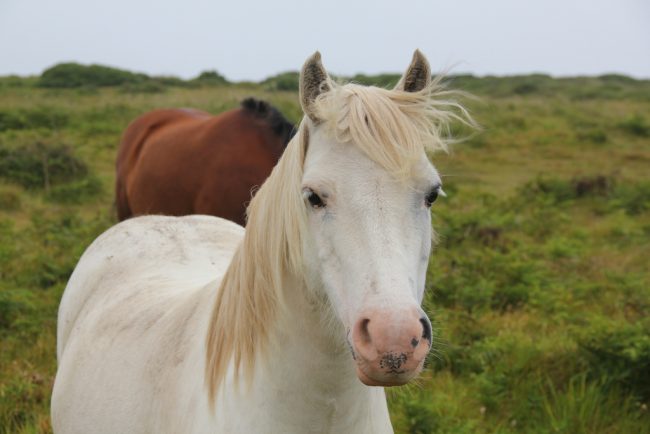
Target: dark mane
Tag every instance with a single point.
(263, 110)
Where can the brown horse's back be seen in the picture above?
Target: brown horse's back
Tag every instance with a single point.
(179, 162)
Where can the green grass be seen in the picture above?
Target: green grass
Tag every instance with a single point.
(539, 287)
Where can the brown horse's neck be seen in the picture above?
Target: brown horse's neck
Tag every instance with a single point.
(280, 126)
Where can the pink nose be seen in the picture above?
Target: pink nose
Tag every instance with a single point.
(390, 346)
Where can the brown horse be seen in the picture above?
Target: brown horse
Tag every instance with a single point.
(185, 161)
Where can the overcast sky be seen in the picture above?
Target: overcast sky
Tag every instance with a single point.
(250, 40)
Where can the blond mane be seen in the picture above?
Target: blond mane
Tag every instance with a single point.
(391, 127)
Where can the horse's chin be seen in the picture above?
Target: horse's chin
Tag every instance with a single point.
(386, 379)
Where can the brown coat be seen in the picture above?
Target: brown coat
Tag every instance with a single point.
(185, 161)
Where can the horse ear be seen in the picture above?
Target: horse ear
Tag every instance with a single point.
(313, 81)
(417, 76)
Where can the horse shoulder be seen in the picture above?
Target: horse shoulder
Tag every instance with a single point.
(132, 323)
(187, 250)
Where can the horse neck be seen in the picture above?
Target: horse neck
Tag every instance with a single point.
(311, 368)
(307, 376)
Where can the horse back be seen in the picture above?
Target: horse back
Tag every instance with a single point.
(132, 321)
(179, 162)
(134, 138)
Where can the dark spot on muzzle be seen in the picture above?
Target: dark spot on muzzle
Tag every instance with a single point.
(393, 362)
(426, 329)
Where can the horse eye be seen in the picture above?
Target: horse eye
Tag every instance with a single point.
(431, 197)
(314, 200)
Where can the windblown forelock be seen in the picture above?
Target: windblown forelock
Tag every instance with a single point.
(392, 127)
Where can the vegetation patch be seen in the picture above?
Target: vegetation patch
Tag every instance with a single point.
(618, 353)
(538, 289)
(9, 199)
(69, 75)
(41, 165)
(636, 125)
(29, 119)
(211, 77)
(286, 81)
(77, 191)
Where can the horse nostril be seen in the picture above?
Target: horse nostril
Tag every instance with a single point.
(363, 329)
(426, 329)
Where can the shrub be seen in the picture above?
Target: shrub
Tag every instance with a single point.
(421, 420)
(13, 305)
(479, 278)
(40, 117)
(211, 77)
(41, 165)
(558, 190)
(57, 244)
(387, 81)
(15, 81)
(69, 75)
(149, 86)
(170, 80)
(562, 190)
(636, 125)
(525, 88)
(284, 81)
(593, 135)
(11, 120)
(617, 78)
(619, 353)
(9, 200)
(634, 198)
(76, 192)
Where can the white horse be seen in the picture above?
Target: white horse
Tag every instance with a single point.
(193, 325)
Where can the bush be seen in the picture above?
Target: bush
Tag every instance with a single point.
(525, 88)
(58, 241)
(169, 80)
(562, 190)
(557, 190)
(13, 305)
(634, 198)
(211, 77)
(617, 78)
(41, 165)
(15, 81)
(70, 75)
(76, 192)
(619, 354)
(387, 81)
(593, 136)
(148, 86)
(11, 120)
(40, 117)
(284, 81)
(636, 125)
(9, 200)
(421, 419)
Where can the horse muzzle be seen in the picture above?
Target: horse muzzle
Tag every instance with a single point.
(389, 346)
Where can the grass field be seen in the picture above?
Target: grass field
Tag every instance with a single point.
(539, 287)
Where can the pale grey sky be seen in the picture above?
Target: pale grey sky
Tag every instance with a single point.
(255, 39)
